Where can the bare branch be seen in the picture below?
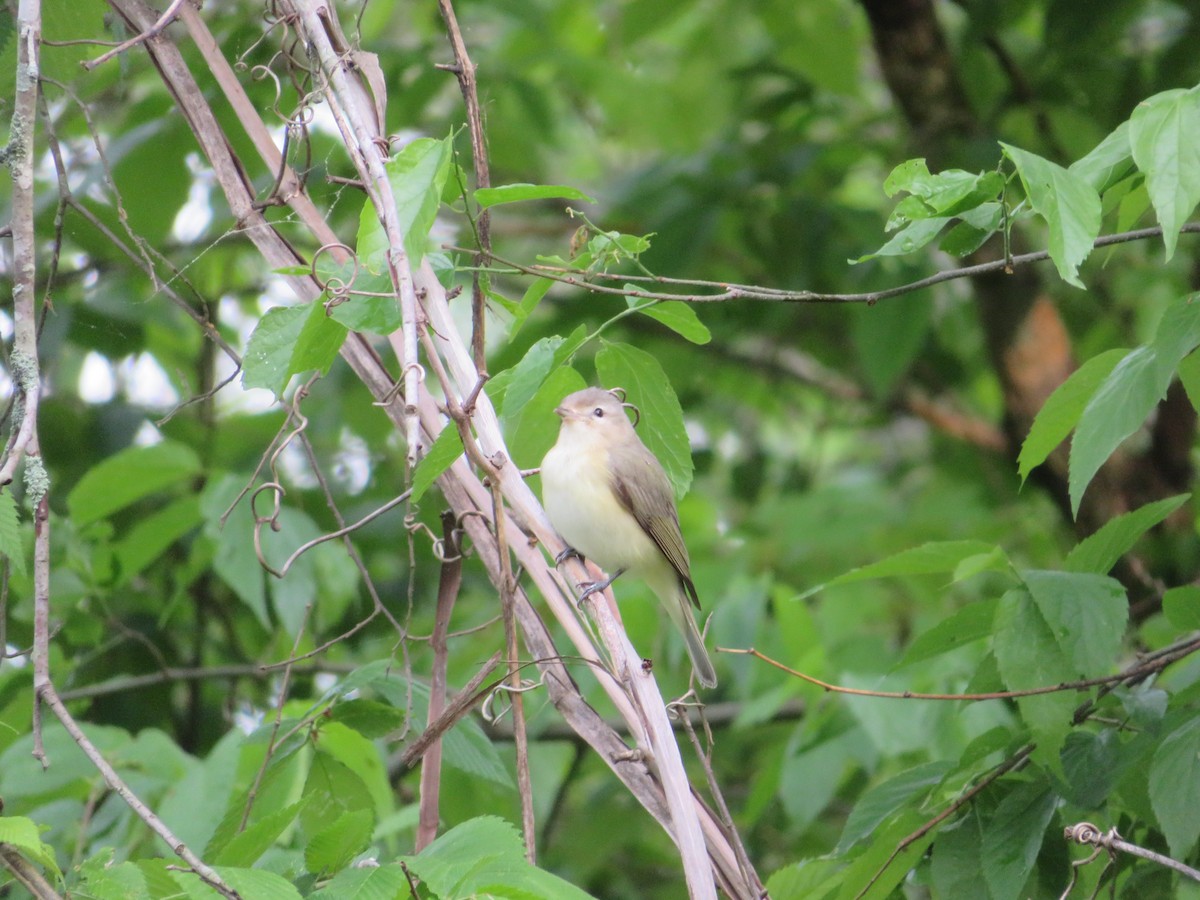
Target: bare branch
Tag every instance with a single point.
(152, 32)
(464, 70)
(1088, 834)
(49, 696)
(724, 292)
(520, 736)
(431, 765)
(471, 694)
(27, 874)
(1013, 762)
(1137, 672)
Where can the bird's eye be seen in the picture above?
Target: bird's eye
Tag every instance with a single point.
(599, 412)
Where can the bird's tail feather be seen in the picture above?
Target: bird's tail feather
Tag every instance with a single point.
(701, 664)
(680, 611)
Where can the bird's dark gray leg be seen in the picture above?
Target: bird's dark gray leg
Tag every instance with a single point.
(566, 554)
(593, 587)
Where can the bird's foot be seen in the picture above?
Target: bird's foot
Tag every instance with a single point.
(566, 554)
(587, 588)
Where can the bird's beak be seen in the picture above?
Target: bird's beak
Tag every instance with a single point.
(561, 411)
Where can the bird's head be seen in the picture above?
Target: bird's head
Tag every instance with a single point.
(598, 413)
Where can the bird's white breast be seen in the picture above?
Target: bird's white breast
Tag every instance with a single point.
(578, 496)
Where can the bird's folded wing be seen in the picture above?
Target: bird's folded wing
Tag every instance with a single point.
(642, 487)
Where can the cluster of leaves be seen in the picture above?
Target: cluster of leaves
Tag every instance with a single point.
(1035, 629)
(299, 807)
(1149, 160)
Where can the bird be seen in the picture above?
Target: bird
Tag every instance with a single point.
(608, 497)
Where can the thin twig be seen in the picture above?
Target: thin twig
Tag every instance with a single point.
(1088, 834)
(50, 698)
(725, 292)
(749, 877)
(27, 874)
(1135, 672)
(450, 580)
(333, 535)
(471, 694)
(464, 70)
(152, 32)
(252, 793)
(170, 675)
(520, 736)
(1003, 769)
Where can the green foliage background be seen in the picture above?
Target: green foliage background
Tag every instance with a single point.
(857, 502)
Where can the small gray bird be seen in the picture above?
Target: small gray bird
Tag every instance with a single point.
(611, 501)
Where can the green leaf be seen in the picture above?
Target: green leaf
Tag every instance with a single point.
(571, 345)
(370, 718)
(529, 301)
(105, 880)
(10, 533)
(245, 847)
(1061, 411)
(269, 351)
(514, 193)
(22, 834)
(289, 340)
(1086, 613)
(1014, 836)
(373, 315)
(1070, 206)
(257, 883)
(527, 377)
(537, 428)
(363, 759)
(332, 789)
(449, 865)
(976, 227)
(648, 388)
(386, 882)
(888, 798)
(955, 192)
(151, 536)
(1164, 134)
(418, 176)
(332, 848)
(1189, 374)
(445, 450)
(485, 856)
(196, 804)
(957, 866)
(1108, 162)
(1091, 762)
(971, 623)
(1029, 656)
(1100, 551)
(317, 347)
(1181, 606)
(911, 175)
(1175, 787)
(911, 238)
(874, 874)
(680, 317)
(128, 476)
(235, 561)
(807, 879)
(613, 246)
(928, 559)
(1126, 397)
